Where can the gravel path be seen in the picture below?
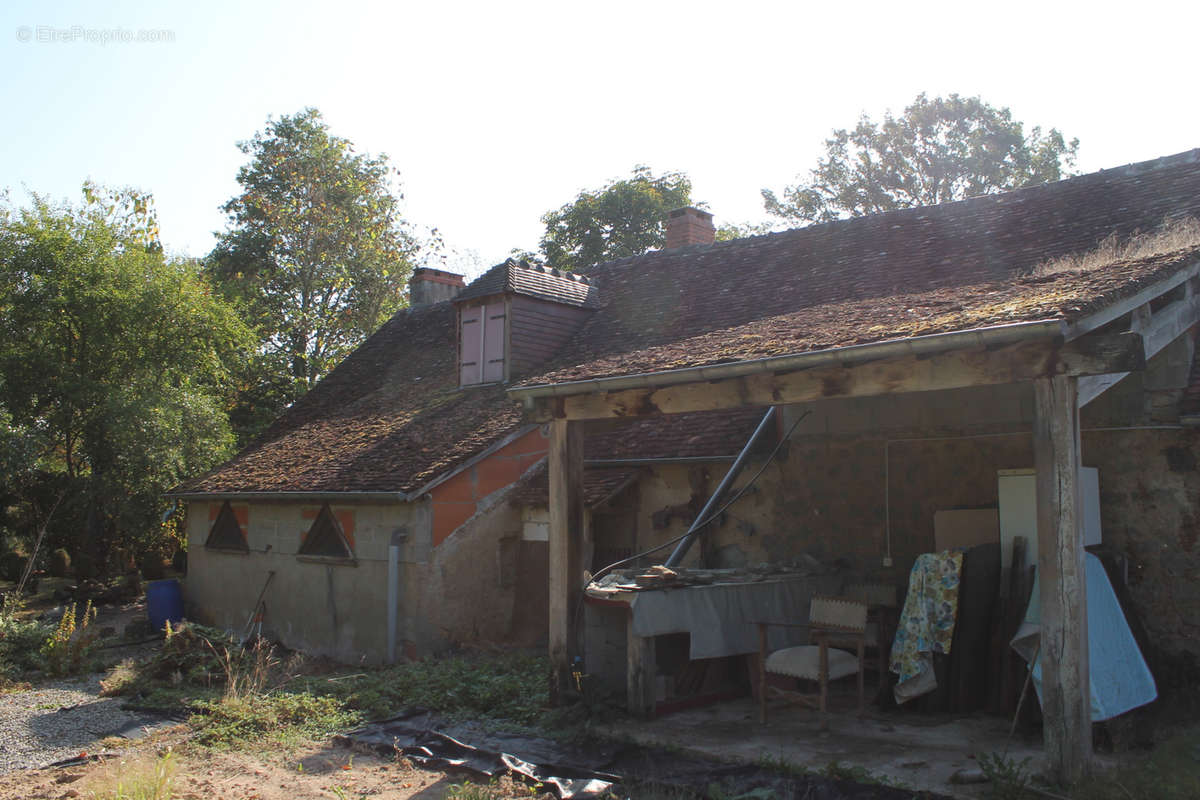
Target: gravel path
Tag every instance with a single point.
(59, 720)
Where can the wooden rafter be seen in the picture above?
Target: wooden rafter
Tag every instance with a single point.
(1158, 328)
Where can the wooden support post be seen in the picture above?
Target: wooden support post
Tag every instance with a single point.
(1066, 689)
(566, 533)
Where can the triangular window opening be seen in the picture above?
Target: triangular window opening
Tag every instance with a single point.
(325, 537)
(226, 532)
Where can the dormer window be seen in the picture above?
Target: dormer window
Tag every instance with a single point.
(483, 342)
(514, 317)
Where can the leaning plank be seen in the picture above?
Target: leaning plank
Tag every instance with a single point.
(1066, 694)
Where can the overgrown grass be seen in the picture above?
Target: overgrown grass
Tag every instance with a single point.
(1172, 235)
(510, 687)
(286, 718)
(1170, 772)
(238, 695)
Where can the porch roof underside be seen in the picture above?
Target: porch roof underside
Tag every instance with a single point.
(1078, 322)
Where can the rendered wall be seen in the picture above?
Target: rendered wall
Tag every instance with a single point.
(486, 586)
(458, 499)
(321, 607)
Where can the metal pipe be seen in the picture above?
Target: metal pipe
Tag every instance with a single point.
(735, 469)
(853, 354)
(393, 591)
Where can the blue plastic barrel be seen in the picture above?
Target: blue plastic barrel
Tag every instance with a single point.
(164, 603)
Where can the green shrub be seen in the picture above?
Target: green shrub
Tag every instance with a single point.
(20, 640)
(60, 563)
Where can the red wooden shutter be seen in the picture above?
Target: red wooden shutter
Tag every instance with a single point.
(471, 353)
(493, 342)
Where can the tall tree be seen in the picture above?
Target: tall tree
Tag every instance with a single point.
(115, 362)
(623, 218)
(937, 151)
(316, 251)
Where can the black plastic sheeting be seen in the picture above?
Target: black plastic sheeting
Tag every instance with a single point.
(591, 770)
(411, 735)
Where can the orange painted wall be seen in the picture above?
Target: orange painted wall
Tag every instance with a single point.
(455, 501)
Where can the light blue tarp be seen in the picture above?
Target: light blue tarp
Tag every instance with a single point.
(1120, 679)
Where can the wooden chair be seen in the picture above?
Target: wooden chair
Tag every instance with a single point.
(883, 612)
(831, 621)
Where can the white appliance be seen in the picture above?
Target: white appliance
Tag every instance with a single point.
(1018, 510)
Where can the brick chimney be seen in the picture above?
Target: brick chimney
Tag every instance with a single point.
(686, 226)
(428, 286)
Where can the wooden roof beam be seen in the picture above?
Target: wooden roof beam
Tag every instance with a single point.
(1157, 329)
(1097, 354)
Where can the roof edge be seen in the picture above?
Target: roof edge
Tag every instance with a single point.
(345, 497)
(851, 354)
(503, 441)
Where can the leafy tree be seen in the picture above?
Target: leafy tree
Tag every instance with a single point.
(729, 231)
(115, 363)
(624, 218)
(316, 253)
(939, 150)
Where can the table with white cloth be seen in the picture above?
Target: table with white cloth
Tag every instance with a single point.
(720, 619)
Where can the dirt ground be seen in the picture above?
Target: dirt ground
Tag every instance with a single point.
(308, 773)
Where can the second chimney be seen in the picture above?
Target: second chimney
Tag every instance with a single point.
(687, 226)
(428, 286)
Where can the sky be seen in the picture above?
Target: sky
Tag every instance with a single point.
(495, 113)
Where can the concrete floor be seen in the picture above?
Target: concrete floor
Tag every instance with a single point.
(917, 751)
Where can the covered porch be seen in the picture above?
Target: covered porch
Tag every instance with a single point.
(1023, 383)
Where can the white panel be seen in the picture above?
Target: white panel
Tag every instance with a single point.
(1018, 513)
(1018, 510)
(536, 531)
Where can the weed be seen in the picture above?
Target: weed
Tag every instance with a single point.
(69, 645)
(280, 718)
(120, 678)
(510, 686)
(472, 791)
(1171, 235)
(848, 772)
(1170, 772)
(781, 764)
(496, 789)
(1009, 778)
(718, 792)
(140, 781)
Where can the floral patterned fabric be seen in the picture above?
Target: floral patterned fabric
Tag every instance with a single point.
(927, 622)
